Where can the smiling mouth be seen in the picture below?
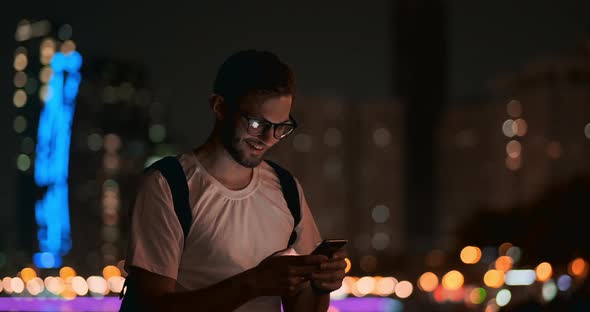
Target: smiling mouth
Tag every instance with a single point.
(255, 146)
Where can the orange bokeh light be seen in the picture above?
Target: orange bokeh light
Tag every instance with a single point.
(544, 272)
(470, 255)
(428, 282)
(504, 263)
(578, 267)
(453, 280)
(110, 271)
(494, 278)
(67, 272)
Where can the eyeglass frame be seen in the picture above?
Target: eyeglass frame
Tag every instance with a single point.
(269, 125)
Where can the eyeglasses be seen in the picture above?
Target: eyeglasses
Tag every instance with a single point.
(258, 126)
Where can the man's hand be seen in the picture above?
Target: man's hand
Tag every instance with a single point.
(283, 275)
(331, 274)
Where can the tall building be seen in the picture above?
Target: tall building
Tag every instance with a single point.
(86, 132)
(505, 153)
(46, 80)
(118, 130)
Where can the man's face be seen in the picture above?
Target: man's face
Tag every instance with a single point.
(246, 149)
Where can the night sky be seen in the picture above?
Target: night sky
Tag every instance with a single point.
(341, 48)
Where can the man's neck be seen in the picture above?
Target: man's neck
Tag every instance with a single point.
(221, 165)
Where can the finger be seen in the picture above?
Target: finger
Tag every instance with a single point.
(333, 265)
(333, 276)
(339, 254)
(302, 270)
(312, 259)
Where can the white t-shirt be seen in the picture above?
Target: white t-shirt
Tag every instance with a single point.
(231, 231)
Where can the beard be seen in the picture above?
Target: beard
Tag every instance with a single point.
(235, 146)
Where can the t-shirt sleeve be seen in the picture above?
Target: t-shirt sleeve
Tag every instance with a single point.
(308, 235)
(156, 239)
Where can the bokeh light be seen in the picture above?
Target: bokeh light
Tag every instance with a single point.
(385, 286)
(513, 149)
(515, 253)
(67, 272)
(494, 278)
(7, 285)
(549, 290)
(544, 271)
(35, 286)
(564, 282)
(507, 128)
(381, 137)
(380, 213)
(503, 297)
(504, 247)
(365, 285)
(79, 286)
(520, 127)
(17, 285)
(513, 164)
(514, 109)
(380, 241)
(157, 133)
(115, 283)
(520, 277)
(23, 162)
(45, 74)
(477, 295)
(503, 263)
(404, 289)
(578, 268)
(97, 285)
(55, 285)
(20, 98)
(27, 274)
(112, 143)
(20, 124)
(348, 265)
(428, 282)
(20, 62)
(47, 51)
(453, 280)
(20, 79)
(110, 271)
(470, 255)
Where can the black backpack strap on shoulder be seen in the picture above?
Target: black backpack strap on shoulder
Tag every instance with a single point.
(291, 194)
(171, 169)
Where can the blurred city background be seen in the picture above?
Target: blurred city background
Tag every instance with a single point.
(449, 141)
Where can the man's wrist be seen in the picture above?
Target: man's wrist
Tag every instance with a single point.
(318, 290)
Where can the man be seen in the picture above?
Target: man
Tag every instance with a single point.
(240, 218)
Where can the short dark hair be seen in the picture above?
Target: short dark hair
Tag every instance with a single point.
(252, 72)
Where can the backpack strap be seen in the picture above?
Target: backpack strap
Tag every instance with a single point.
(171, 169)
(291, 194)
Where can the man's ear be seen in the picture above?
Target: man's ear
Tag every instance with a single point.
(218, 106)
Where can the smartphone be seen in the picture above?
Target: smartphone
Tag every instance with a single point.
(329, 246)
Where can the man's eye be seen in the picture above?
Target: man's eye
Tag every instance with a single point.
(255, 124)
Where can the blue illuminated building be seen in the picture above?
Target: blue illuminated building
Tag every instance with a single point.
(52, 160)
